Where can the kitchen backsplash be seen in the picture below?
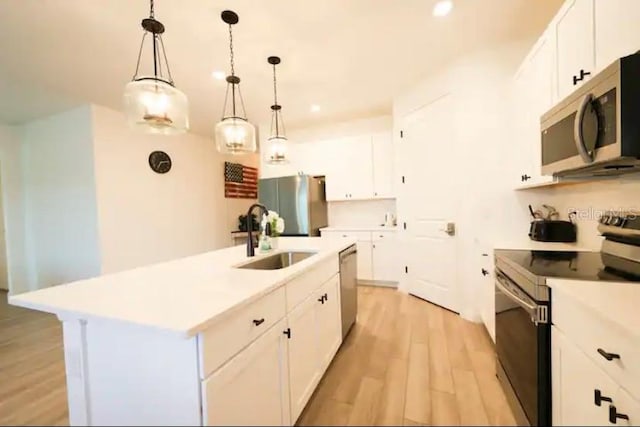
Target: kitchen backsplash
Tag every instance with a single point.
(589, 200)
(360, 212)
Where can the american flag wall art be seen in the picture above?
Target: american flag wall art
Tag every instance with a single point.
(240, 181)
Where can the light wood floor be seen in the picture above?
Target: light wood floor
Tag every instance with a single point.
(32, 379)
(408, 362)
(405, 362)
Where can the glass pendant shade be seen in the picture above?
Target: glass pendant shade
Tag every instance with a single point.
(156, 107)
(151, 101)
(277, 150)
(235, 135)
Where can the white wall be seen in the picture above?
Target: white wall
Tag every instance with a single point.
(478, 85)
(145, 217)
(13, 204)
(60, 199)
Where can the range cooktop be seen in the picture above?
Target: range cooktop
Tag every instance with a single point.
(574, 265)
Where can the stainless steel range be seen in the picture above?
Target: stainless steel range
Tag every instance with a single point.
(523, 307)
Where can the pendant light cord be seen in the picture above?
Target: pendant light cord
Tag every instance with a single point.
(275, 99)
(231, 50)
(151, 10)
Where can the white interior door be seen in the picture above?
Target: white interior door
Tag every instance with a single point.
(428, 201)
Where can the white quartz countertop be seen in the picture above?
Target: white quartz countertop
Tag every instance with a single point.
(617, 301)
(183, 296)
(360, 228)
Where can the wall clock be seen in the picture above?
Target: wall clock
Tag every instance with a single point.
(160, 162)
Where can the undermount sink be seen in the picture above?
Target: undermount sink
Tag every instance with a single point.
(277, 261)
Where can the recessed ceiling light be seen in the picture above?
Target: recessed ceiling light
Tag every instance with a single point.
(442, 8)
(219, 75)
(315, 108)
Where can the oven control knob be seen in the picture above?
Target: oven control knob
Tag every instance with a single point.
(616, 220)
(604, 219)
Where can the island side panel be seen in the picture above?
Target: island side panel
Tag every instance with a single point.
(141, 376)
(75, 363)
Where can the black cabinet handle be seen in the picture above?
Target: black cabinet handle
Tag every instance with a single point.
(525, 177)
(598, 398)
(258, 322)
(484, 272)
(326, 298)
(614, 415)
(575, 80)
(287, 332)
(608, 356)
(581, 77)
(321, 299)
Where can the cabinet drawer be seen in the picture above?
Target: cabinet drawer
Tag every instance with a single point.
(592, 331)
(382, 235)
(220, 342)
(302, 286)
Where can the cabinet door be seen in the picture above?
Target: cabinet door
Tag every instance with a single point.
(617, 31)
(329, 321)
(576, 379)
(385, 263)
(533, 96)
(350, 175)
(304, 372)
(575, 33)
(365, 267)
(382, 146)
(626, 405)
(252, 388)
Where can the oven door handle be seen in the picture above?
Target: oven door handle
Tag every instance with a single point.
(500, 283)
(578, 134)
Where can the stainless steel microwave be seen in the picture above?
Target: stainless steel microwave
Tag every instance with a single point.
(596, 130)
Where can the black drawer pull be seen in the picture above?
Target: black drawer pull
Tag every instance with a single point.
(598, 398)
(608, 356)
(326, 298)
(258, 322)
(287, 332)
(614, 415)
(321, 299)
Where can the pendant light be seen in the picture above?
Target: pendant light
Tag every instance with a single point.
(277, 144)
(152, 102)
(234, 134)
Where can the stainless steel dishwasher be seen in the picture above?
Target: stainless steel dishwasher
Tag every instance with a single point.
(348, 287)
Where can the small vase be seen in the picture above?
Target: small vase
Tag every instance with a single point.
(264, 244)
(275, 241)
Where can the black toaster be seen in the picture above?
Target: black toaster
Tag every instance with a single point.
(548, 230)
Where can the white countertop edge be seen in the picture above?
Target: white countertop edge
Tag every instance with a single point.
(300, 268)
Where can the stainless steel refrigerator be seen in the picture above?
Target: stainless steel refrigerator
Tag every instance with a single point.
(301, 200)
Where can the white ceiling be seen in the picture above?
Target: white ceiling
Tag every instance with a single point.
(349, 56)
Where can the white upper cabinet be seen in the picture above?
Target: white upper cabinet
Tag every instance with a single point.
(617, 31)
(382, 146)
(533, 95)
(575, 43)
(350, 175)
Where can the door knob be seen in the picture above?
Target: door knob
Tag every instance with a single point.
(607, 355)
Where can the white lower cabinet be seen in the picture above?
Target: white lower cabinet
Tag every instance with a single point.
(316, 334)
(270, 380)
(252, 388)
(304, 374)
(575, 380)
(377, 253)
(365, 260)
(329, 318)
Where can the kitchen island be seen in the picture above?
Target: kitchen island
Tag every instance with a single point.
(198, 340)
